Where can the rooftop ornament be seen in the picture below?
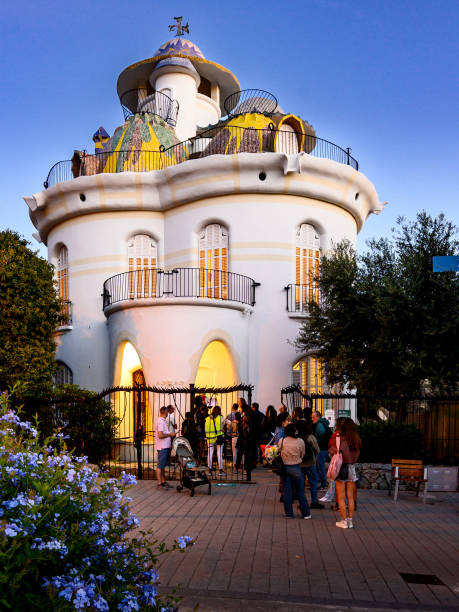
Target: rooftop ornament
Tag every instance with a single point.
(250, 101)
(179, 27)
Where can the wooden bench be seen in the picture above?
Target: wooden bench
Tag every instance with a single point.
(408, 470)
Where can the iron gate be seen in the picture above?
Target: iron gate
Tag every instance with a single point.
(436, 417)
(137, 408)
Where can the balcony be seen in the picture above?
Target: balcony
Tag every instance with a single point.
(299, 296)
(222, 140)
(157, 103)
(65, 319)
(187, 283)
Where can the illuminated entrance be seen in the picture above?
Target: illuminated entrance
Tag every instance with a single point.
(216, 367)
(132, 407)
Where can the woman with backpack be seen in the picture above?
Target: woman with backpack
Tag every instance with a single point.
(215, 438)
(308, 464)
(348, 443)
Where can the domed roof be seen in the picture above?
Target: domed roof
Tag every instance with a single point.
(132, 144)
(181, 46)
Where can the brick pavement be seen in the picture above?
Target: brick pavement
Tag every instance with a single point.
(248, 555)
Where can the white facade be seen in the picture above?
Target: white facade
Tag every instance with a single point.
(260, 201)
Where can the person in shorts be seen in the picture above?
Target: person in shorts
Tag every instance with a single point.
(163, 441)
(345, 482)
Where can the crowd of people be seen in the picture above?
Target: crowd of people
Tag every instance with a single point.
(304, 442)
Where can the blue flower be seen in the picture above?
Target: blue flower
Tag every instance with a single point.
(127, 479)
(183, 541)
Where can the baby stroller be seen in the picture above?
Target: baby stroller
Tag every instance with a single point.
(191, 475)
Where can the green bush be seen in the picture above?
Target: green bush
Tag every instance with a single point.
(384, 441)
(65, 541)
(87, 422)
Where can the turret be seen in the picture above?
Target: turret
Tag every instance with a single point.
(179, 84)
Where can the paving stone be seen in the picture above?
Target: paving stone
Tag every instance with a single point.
(245, 547)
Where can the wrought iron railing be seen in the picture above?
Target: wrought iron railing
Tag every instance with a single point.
(215, 141)
(136, 101)
(250, 101)
(432, 419)
(65, 319)
(179, 283)
(299, 297)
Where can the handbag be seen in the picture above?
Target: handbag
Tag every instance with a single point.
(277, 464)
(220, 439)
(336, 462)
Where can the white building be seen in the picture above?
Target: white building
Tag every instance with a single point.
(187, 245)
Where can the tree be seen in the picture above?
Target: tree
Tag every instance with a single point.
(386, 323)
(30, 311)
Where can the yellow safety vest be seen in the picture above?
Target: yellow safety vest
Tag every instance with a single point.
(213, 428)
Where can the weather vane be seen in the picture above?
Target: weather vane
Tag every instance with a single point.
(180, 28)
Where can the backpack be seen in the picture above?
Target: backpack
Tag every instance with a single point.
(309, 452)
(328, 434)
(325, 440)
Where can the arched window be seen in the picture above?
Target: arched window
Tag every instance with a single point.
(307, 255)
(205, 87)
(63, 283)
(142, 263)
(308, 374)
(63, 375)
(213, 261)
(287, 140)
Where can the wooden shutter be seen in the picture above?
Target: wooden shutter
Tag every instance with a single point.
(213, 262)
(307, 256)
(142, 264)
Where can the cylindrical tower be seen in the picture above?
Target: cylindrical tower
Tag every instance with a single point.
(200, 255)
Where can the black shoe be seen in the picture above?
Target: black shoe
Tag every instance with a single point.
(166, 485)
(316, 506)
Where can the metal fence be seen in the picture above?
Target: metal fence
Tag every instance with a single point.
(435, 418)
(179, 282)
(223, 140)
(137, 409)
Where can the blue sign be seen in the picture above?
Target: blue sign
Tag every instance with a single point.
(446, 263)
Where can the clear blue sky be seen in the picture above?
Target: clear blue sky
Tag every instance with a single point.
(378, 76)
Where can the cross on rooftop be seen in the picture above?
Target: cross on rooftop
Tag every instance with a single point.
(180, 28)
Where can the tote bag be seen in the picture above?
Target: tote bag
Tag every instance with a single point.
(336, 462)
(277, 464)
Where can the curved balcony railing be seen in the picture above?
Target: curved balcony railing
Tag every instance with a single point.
(136, 101)
(221, 140)
(299, 297)
(250, 101)
(65, 317)
(196, 283)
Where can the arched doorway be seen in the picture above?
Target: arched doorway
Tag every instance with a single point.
(139, 405)
(132, 407)
(216, 366)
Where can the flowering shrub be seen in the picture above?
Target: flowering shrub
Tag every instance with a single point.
(88, 421)
(64, 528)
